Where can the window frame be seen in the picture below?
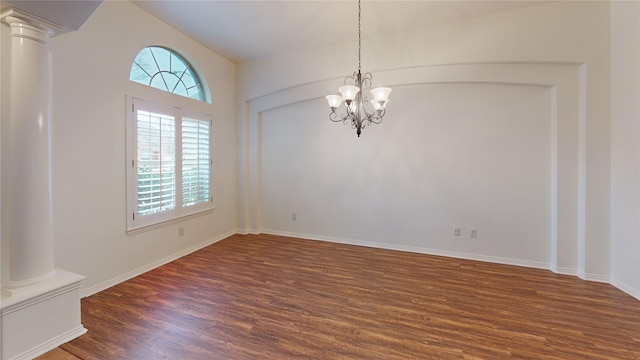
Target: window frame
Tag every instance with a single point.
(135, 221)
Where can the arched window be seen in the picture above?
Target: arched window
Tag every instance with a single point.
(166, 70)
(169, 145)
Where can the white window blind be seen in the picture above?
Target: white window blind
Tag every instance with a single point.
(196, 163)
(170, 163)
(156, 143)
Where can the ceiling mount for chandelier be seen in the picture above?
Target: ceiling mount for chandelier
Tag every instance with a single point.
(360, 110)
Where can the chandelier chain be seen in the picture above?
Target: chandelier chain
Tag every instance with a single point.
(359, 36)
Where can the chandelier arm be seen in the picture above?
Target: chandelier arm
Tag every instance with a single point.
(352, 79)
(345, 119)
(367, 79)
(376, 118)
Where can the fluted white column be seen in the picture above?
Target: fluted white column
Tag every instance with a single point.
(29, 158)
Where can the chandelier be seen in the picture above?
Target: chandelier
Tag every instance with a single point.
(360, 111)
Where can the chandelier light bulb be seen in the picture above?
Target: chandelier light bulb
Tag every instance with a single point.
(334, 101)
(349, 92)
(381, 93)
(379, 105)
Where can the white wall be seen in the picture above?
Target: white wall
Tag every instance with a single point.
(481, 161)
(500, 124)
(91, 69)
(625, 173)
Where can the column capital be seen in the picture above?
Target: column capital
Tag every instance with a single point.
(24, 24)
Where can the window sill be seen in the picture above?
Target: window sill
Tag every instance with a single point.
(143, 229)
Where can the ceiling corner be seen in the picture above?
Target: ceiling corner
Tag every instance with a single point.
(69, 15)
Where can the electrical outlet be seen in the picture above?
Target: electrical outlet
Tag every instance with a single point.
(180, 231)
(294, 217)
(456, 231)
(473, 233)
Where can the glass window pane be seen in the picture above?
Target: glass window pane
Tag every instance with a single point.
(139, 75)
(178, 65)
(166, 70)
(158, 82)
(162, 57)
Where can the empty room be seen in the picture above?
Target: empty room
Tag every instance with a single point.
(320, 179)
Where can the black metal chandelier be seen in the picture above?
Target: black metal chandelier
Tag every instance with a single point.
(360, 111)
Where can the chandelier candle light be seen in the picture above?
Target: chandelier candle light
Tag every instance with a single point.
(355, 101)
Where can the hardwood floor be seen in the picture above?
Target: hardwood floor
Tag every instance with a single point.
(271, 297)
(57, 354)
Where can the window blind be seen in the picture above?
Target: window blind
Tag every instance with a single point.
(170, 167)
(195, 161)
(156, 162)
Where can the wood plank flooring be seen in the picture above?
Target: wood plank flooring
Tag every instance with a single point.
(271, 297)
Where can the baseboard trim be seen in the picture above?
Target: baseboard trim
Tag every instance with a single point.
(598, 278)
(415, 249)
(626, 288)
(85, 292)
(458, 255)
(452, 254)
(565, 271)
(51, 344)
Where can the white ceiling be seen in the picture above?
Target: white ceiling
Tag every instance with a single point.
(69, 15)
(246, 30)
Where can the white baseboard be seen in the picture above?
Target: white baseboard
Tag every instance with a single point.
(598, 278)
(492, 259)
(626, 288)
(453, 254)
(41, 316)
(415, 249)
(565, 271)
(51, 344)
(143, 269)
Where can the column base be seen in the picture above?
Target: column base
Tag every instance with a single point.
(41, 316)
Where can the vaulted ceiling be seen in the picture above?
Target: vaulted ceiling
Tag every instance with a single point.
(244, 30)
(247, 30)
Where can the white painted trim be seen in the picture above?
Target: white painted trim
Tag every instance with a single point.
(177, 220)
(51, 343)
(248, 231)
(458, 255)
(553, 221)
(60, 282)
(626, 288)
(452, 254)
(414, 249)
(566, 271)
(598, 278)
(143, 269)
(47, 26)
(582, 171)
